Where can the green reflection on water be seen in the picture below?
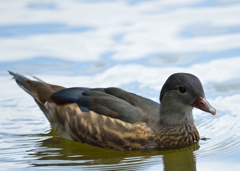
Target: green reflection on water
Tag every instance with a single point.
(56, 151)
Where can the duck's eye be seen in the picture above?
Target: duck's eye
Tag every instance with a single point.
(182, 89)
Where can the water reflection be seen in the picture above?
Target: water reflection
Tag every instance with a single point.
(56, 151)
(130, 44)
(182, 159)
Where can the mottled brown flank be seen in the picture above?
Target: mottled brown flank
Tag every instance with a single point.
(105, 131)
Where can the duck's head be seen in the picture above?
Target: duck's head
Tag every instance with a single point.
(182, 92)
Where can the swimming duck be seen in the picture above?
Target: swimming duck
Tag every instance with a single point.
(114, 118)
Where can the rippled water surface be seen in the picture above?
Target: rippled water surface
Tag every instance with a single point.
(130, 44)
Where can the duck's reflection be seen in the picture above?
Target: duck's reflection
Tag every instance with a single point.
(181, 159)
(56, 151)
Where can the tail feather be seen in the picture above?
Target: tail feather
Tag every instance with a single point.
(39, 90)
(21, 81)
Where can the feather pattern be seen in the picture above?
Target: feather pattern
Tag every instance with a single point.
(114, 118)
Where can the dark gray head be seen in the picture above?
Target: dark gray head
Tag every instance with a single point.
(186, 90)
(182, 82)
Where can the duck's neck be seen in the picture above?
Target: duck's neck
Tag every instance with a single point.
(176, 126)
(175, 115)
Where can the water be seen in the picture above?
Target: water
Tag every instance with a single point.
(134, 45)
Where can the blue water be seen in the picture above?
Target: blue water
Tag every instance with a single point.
(131, 44)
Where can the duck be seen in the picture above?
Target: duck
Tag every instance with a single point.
(117, 119)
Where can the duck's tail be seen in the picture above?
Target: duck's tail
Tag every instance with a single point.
(21, 81)
(39, 90)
